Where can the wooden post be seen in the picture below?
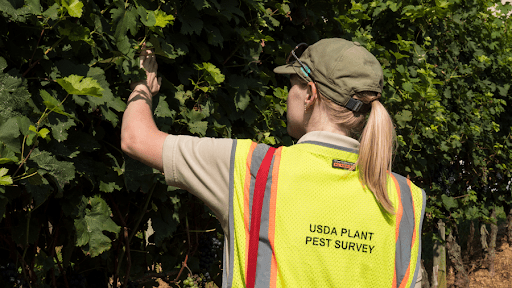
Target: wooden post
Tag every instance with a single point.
(439, 273)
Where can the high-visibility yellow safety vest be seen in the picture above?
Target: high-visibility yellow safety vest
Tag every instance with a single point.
(299, 217)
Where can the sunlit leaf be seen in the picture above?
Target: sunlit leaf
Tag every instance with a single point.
(79, 85)
(74, 7)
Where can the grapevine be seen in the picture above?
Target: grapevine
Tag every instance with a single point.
(210, 250)
(193, 281)
(70, 200)
(10, 278)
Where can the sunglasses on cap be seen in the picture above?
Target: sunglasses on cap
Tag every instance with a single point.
(305, 69)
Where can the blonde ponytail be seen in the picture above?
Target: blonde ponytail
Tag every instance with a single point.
(376, 153)
(377, 143)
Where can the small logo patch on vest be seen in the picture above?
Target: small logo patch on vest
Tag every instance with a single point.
(342, 164)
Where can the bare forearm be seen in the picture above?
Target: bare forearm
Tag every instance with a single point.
(140, 137)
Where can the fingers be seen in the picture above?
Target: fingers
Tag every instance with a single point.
(145, 57)
(151, 68)
(150, 64)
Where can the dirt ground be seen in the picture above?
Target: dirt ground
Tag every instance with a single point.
(477, 267)
(479, 275)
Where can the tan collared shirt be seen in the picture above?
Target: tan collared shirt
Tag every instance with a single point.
(202, 165)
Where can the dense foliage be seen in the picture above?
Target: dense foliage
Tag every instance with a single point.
(72, 204)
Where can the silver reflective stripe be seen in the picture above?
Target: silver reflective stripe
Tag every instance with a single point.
(418, 265)
(257, 157)
(264, 248)
(406, 230)
(228, 281)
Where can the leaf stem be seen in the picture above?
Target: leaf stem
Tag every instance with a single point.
(53, 46)
(202, 231)
(25, 159)
(24, 177)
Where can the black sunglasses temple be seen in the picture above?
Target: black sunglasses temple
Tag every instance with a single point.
(305, 69)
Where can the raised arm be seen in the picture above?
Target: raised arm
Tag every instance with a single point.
(140, 137)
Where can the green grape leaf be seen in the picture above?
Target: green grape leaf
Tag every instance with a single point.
(403, 117)
(79, 85)
(163, 224)
(472, 213)
(230, 10)
(60, 127)
(109, 115)
(34, 6)
(449, 202)
(76, 32)
(162, 19)
(74, 7)
(13, 94)
(4, 178)
(53, 104)
(62, 171)
(110, 180)
(123, 44)
(281, 93)
(124, 20)
(242, 94)
(191, 21)
(108, 187)
(212, 73)
(7, 155)
(90, 226)
(147, 18)
(214, 36)
(52, 12)
(408, 87)
(18, 15)
(43, 133)
(9, 132)
(108, 98)
(162, 109)
(242, 99)
(198, 127)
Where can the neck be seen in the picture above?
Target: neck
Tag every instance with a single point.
(318, 120)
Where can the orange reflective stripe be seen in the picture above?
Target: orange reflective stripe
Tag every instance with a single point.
(398, 218)
(406, 277)
(272, 216)
(407, 273)
(413, 209)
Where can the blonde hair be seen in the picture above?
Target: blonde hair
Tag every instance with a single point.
(377, 142)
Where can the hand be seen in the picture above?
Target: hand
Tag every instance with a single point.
(152, 83)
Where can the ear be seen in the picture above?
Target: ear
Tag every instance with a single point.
(312, 93)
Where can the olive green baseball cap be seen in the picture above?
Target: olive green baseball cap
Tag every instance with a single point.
(340, 69)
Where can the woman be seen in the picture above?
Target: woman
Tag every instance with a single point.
(325, 212)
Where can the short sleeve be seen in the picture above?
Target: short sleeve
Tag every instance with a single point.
(200, 166)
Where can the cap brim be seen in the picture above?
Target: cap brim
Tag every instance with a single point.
(285, 69)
